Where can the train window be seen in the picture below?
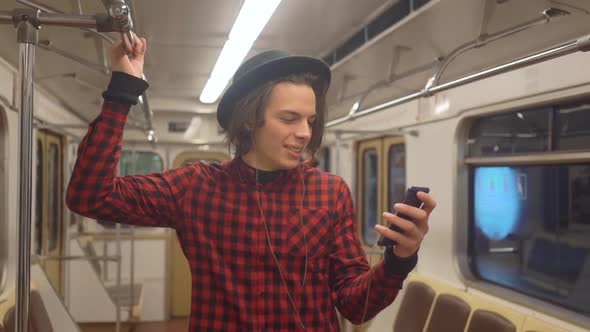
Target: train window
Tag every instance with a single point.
(370, 196)
(39, 200)
(192, 160)
(53, 198)
(324, 159)
(48, 205)
(530, 221)
(531, 230)
(574, 127)
(189, 157)
(419, 3)
(3, 198)
(512, 133)
(381, 174)
(397, 174)
(389, 17)
(140, 162)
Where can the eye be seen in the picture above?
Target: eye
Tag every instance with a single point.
(288, 120)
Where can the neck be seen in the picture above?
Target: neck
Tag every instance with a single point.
(252, 160)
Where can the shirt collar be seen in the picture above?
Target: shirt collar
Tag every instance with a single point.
(246, 174)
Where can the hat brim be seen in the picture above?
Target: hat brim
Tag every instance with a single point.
(267, 72)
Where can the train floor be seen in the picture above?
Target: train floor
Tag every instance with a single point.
(180, 325)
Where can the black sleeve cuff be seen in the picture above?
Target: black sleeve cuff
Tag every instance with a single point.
(397, 265)
(125, 88)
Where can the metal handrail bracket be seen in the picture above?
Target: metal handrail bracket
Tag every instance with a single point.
(27, 23)
(582, 44)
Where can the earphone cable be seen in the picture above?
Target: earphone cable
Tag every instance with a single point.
(303, 227)
(275, 257)
(368, 288)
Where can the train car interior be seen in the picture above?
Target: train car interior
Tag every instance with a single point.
(486, 102)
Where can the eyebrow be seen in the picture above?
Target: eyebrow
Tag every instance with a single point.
(293, 113)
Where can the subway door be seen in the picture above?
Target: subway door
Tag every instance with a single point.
(4, 207)
(369, 192)
(180, 279)
(394, 172)
(48, 206)
(381, 182)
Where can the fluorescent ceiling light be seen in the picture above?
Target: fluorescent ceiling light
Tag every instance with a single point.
(193, 128)
(230, 59)
(213, 90)
(250, 21)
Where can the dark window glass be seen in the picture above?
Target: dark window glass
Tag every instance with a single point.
(178, 126)
(370, 196)
(512, 133)
(389, 17)
(574, 127)
(419, 3)
(39, 200)
(397, 175)
(351, 44)
(324, 159)
(329, 59)
(54, 196)
(140, 162)
(531, 230)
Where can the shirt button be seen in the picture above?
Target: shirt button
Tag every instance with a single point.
(262, 294)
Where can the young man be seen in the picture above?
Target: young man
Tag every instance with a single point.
(271, 242)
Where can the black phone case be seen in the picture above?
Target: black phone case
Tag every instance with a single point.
(410, 199)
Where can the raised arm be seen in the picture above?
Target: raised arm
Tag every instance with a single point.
(361, 292)
(95, 190)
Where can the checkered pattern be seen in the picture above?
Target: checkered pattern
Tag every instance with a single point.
(214, 209)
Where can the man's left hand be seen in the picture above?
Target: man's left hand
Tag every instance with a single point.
(414, 231)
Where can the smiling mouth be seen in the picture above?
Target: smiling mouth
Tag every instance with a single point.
(294, 149)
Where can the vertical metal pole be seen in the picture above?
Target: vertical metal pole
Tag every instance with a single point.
(27, 36)
(132, 276)
(118, 292)
(132, 253)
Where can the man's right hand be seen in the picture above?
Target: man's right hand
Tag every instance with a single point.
(132, 63)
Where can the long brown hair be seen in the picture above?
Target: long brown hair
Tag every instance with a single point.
(248, 114)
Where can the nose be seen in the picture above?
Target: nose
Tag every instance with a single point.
(304, 131)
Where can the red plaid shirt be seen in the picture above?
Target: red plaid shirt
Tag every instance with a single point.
(214, 209)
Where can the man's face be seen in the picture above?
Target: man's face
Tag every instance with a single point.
(288, 117)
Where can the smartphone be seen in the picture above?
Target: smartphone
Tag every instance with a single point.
(410, 199)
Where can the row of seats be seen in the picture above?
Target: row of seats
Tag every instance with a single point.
(448, 313)
(429, 305)
(38, 317)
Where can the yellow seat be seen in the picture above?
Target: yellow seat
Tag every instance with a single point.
(450, 314)
(489, 321)
(5, 305)
(414, 308)
(38, 318)
(532, 324)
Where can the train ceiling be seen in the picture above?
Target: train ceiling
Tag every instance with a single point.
(186, 36)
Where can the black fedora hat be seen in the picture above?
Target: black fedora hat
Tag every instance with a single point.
(262, 68)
